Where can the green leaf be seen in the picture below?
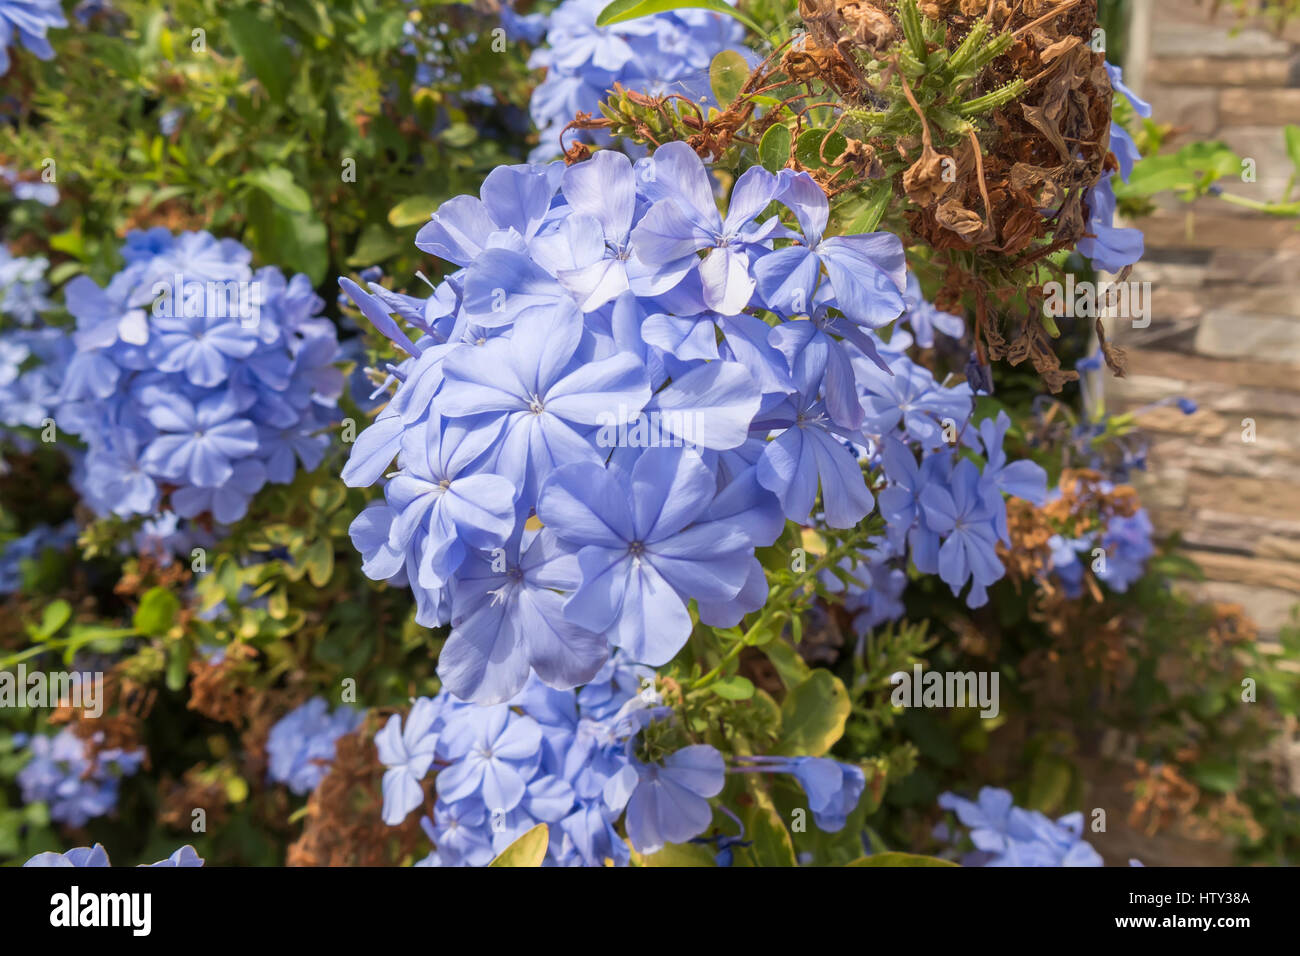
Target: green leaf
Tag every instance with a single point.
(295, 241)
(734, 688)
(528, 850)
(900, 859)
(277, 182)
(727, 75)
(677, 854)
(55, 616)
(412, 211)
(1220, 776)
(1291, 133)
(809, 149)
(259, 43)
(872, 210)
(790, 667)
(319, 562)
(813, 715)
(157, 611)
(774, 148)
(622, 10)
(772, 845)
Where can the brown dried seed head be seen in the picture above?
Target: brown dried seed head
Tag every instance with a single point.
(928, 179)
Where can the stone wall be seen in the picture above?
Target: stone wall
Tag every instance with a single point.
(1225, 327)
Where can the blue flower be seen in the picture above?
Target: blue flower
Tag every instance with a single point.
(301, 744)
(407, 753)
(494, 752)
(28, 21)
(645, 546)
(97, 856)
(670, 801)
(1006, 835)
(1109, 248)
(965, 518)
(76, 787)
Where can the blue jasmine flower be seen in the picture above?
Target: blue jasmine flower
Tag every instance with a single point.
(833, 788)
(440, 493)
(509, 620)
(1006, 835)
(1109, 248)
(541, 401)
(966, 520)
(76, 789)
(408, 754)
(644, 547)
(22, 284)
(301, 744)
(88, 856)
(867, 273)
(198, 442)
(925, 319)
(809, 452)
(670, 803)
(28, 21)
(186, 856)
(494, 752)
(462, 833)
(686, 220)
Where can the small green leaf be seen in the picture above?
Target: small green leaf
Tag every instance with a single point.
(734, 688)
(412, 211)
(621, 10)
(727, 75)
(528, 850)
(809, 149)
(157, 611)
(813, 715)
(55, 616)
(677, 854)
(277, 182)
(262, 49)
(1291, 133)
(900, 859)
(774, 148)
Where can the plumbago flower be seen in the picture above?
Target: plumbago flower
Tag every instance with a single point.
(300, 746)
(1007, 835)
(613, 400)
(195, 379)
(576, 761)
(1108, 247)
(75, 787)
(28, 21)
(665, 53)
(97, 856)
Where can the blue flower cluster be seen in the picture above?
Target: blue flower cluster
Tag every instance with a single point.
(47, 194)
(571, 760)
(75, 787)
(563, 758)
(28, 21)
(29, 548)
(1110, 248)
(196, 377)
(1117, 555)
(597, 366)
(1007, 835)
(23, 287)
(301, 745)
(949, 513)
(96, 855)
(665, 53)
